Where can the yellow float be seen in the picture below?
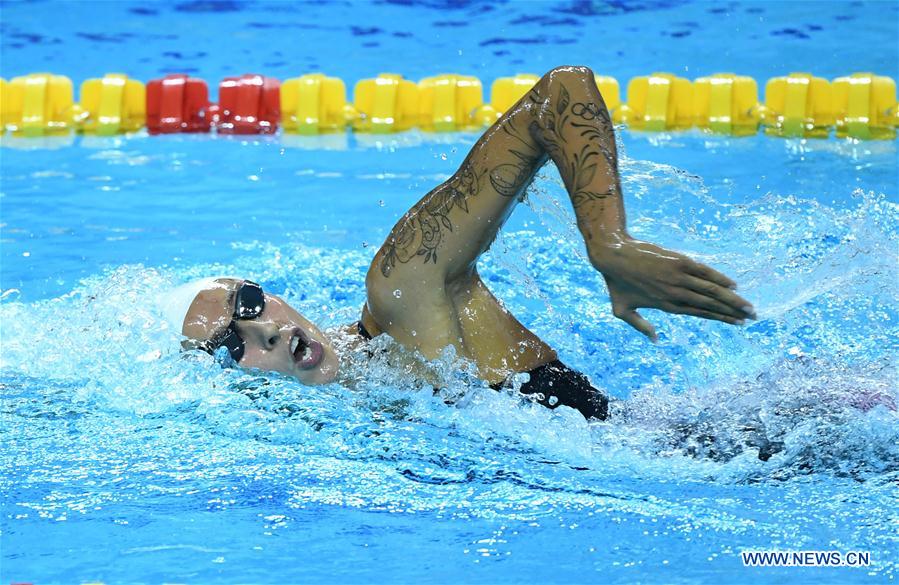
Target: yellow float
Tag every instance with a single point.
(38, 104)
(798, 105)
(112, 105)
(314, 104)
(448, 103)
(658, 102)
(386, 104)
(865, 106)
(726, 104)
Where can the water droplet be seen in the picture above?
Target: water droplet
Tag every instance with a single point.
(397, 293)
(414, 333)
(443, 156)
(380, 203)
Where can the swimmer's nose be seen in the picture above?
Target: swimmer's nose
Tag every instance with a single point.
(267, 333)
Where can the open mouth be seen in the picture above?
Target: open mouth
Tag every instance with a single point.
(307, 353)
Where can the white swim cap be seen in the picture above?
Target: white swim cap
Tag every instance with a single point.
(176, 302)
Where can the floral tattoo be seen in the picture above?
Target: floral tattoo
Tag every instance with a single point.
(578, 167)
(421, 231)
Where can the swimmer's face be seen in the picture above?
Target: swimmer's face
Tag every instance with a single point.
(279, 339)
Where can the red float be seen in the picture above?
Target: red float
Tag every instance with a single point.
(249, 104)
(177, 103)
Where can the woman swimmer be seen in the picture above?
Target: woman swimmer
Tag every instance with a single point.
(431, 256)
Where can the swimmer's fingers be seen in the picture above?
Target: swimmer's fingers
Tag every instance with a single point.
(707, 273)
(633, 318)
(688, 298)
(702, 313)
(724, 300)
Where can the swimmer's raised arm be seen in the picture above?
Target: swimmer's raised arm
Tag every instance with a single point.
(433, 250)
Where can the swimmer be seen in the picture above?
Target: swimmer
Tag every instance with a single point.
(423, 287)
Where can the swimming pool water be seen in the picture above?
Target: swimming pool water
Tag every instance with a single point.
(125, 461)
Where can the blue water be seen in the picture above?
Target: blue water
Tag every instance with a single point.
(125, 461)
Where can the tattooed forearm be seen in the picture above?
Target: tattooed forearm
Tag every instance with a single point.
(509, 179)
(578, 166)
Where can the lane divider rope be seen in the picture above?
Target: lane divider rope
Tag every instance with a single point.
(860, 105)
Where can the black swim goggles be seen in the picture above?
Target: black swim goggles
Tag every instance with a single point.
(249, 302)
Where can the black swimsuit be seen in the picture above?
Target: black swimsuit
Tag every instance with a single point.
(559, 386)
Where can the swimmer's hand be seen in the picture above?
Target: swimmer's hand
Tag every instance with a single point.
(640, 274)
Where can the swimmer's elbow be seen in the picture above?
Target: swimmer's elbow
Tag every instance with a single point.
(568, 76)
(570, 71)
